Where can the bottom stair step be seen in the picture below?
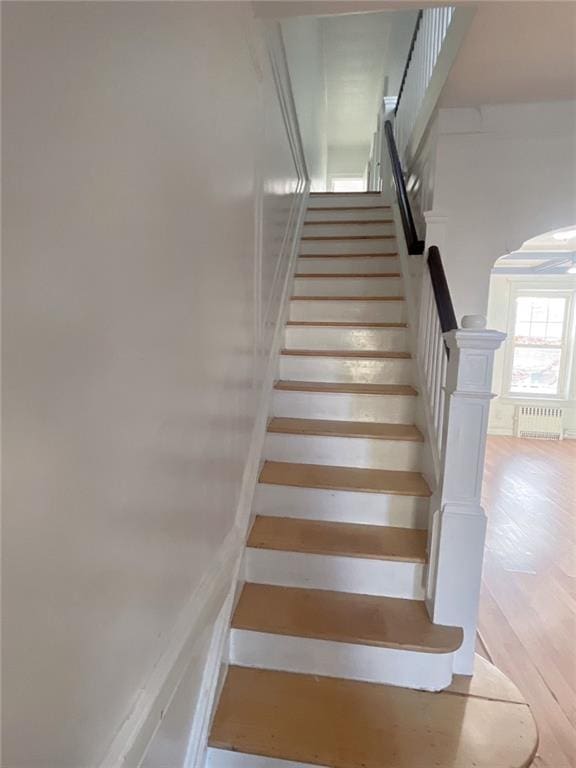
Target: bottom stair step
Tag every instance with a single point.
(338, 634)
(267, 717)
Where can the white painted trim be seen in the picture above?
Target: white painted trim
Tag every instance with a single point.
(223, 758)
(353, 661)
(501, 431)
(358, 575)
(129, 745)
(208, 695)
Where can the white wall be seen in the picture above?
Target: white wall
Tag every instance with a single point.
(303, 41)
(138, 315)
(503, 407)
(348, 161)
(502, 175)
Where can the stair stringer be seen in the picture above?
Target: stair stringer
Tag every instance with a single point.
(412, 267)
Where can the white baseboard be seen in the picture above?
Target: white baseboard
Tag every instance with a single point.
(212, 676)
(133, 737)
(501, 431)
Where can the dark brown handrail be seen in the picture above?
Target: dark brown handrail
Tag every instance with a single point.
(414, 244)
(442, 297)
(409, 59)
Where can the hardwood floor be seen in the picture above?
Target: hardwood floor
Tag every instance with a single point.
(528, 607)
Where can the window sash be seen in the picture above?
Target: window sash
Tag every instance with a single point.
(567, 323)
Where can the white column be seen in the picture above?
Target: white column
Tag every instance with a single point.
(436, 230)
(459, 522)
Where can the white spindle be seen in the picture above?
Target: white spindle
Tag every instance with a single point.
(435, 388)
(429, 40)
(440, 358)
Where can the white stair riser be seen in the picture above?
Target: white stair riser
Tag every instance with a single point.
(388, 666)
(403, 455)
(360, 214)
(386, 578)
(348, 265)
(223, 758)
(344, 201)
(382, 339)
(365, 371)
(341, 506)
(394, 409)
(342, 245)
(348, 311)
(348, 286)
(337, 229)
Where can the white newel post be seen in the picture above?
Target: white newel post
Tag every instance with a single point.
(459, 522)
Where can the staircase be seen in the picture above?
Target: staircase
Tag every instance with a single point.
(330, 627)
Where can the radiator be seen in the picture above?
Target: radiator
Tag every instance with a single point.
(540, 422)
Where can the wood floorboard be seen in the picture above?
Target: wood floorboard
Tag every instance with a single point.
(528, 607)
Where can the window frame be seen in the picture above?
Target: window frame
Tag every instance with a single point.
(565, 346)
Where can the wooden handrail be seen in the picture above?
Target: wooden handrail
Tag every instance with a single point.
(414, 245)
(409, 59)
(442, 297)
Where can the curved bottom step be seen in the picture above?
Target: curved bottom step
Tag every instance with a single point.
(269, 719)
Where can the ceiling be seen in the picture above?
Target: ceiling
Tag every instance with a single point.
(515, 52)
(355, 64)
(547, 254)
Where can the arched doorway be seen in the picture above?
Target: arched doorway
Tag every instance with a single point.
(533, 300)
(526, 622)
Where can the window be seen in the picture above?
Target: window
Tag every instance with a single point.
(538, 345)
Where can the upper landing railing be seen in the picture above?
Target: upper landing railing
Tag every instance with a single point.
(430, 31)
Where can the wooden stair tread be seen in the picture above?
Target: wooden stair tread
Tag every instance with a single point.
(372, 542)
(349, 724)
(347, 298)
(347, 221)
(348, 256)
(370, 354)
(351, 388)
(345, 275)
(348, 237)
(345, 194)
(385, 622)
(325, 427)
(344, 478)
(313, 209)
(326, 324)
